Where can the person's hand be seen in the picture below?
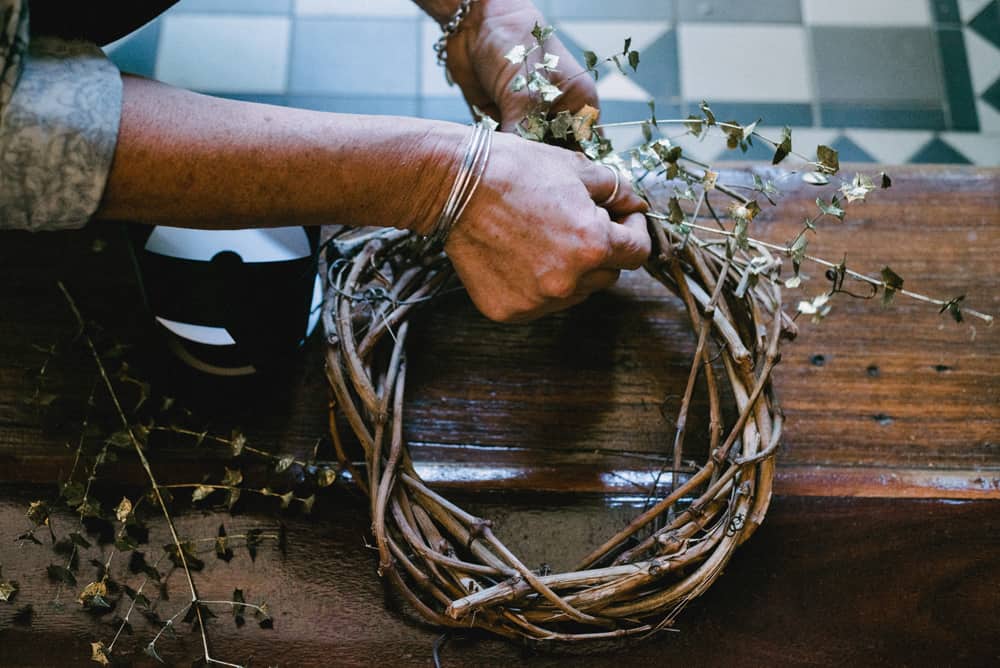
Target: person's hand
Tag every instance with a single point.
(532, 240)
(477, 64)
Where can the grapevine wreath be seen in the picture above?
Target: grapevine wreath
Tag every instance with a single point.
(448, 563)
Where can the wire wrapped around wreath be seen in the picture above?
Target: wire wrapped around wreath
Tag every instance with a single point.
(448, 563)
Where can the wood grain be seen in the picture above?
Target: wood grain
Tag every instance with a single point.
(879, 402)
(813, 587)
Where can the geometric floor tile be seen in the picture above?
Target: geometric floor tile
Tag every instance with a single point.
(983, 150)
(992, 95)
(984, 60)
(850, 152)
(987, 23)
(968, 9)
(394, 8)
(938, 152)
(868, 13)
(889, 147)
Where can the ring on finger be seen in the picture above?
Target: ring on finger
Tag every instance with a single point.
(618, 183)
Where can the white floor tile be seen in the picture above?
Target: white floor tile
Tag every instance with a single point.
(981, 149)
(969, 9)
(231, 54)
(890, 147)
(606, 38)
(867, 13)
(394, 8)
(984, 61)
(616, 86)
(745, 63)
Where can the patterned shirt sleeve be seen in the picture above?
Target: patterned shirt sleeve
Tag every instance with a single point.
(60, 108)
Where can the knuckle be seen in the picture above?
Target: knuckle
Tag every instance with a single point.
(594, 249)
(556, 284)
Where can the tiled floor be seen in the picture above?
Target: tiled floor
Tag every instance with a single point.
(890, 81)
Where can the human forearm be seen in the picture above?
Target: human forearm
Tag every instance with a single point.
(196, 161)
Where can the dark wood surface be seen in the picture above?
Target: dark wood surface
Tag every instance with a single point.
(824, 582)
(880, 403)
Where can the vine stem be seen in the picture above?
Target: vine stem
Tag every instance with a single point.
(146, 467)
(831, 265)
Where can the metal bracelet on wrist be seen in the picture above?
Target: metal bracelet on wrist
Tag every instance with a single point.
(470, 173)
(449, 29)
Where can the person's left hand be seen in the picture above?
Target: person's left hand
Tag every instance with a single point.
(477, 64)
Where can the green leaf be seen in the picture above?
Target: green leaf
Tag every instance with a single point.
(829, 162)
(892, 282)
(633, 60)
(590, 59)
(628, 45)
(784, 146)
(618, 63)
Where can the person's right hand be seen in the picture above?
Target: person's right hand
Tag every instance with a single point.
(533, 241)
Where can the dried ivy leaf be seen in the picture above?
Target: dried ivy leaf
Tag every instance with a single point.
(253, 542)
(710, 179)
(954, 308)
(286, 499)
(222, 549)
(676, 213)
(8, 590)
(237, 442)
(695, 125)
(61, 574)
(707, 111)
(326, 476)
(89, 508)
(590, 60)
(93, 595)
(892, 282)
(98, 653)
(123, 510)
(150, 650)
(517, 54)
(187, 550)
(633, 60)
(239, 609)
(549, 62)
(784, 146)
(652, 112)
(308, 503)
(200, 493)
(233, 497)
(119, 439)
(139, 598)
(596, 147)
(829, 162)
(283, 463)
(561, 125)
(518, 83)
(137, 564)
(583, 122)
(886, 182)
(77, 539)
(232, 477)
(542, 33)
(73, 493)
(858, 188)
(38, 513)
(832, 208)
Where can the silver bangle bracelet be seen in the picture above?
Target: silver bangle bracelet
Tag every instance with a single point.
(470, 173)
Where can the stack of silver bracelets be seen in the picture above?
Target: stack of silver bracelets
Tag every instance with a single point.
(470, 173)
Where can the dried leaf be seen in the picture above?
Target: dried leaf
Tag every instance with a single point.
(857, 189)
(61, 574)
(326, 477)
(98, 653)
(633, 60)
(590, 59)
(38, 513)
(253, 542)
(832, 208)
(232, 477)
(92, 590)
(239, 610)
(124, 509)
(8, 590)
(200, 493)
(892, 282)
(308, 503)
(829, 162)
(583, 121)
(542, 33)
(886, 182)
(954, 308)
(517, 54)
(784, 146)
(561, 125)
(518, 83)
(237, 442)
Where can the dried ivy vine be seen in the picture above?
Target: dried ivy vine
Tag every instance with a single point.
(448, 563)
(123, 417)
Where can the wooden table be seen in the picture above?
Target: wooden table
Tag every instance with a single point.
(882, 547)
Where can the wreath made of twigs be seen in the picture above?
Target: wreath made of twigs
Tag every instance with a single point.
(448, 563)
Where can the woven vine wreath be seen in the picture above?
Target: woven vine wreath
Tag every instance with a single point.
(447, 563)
